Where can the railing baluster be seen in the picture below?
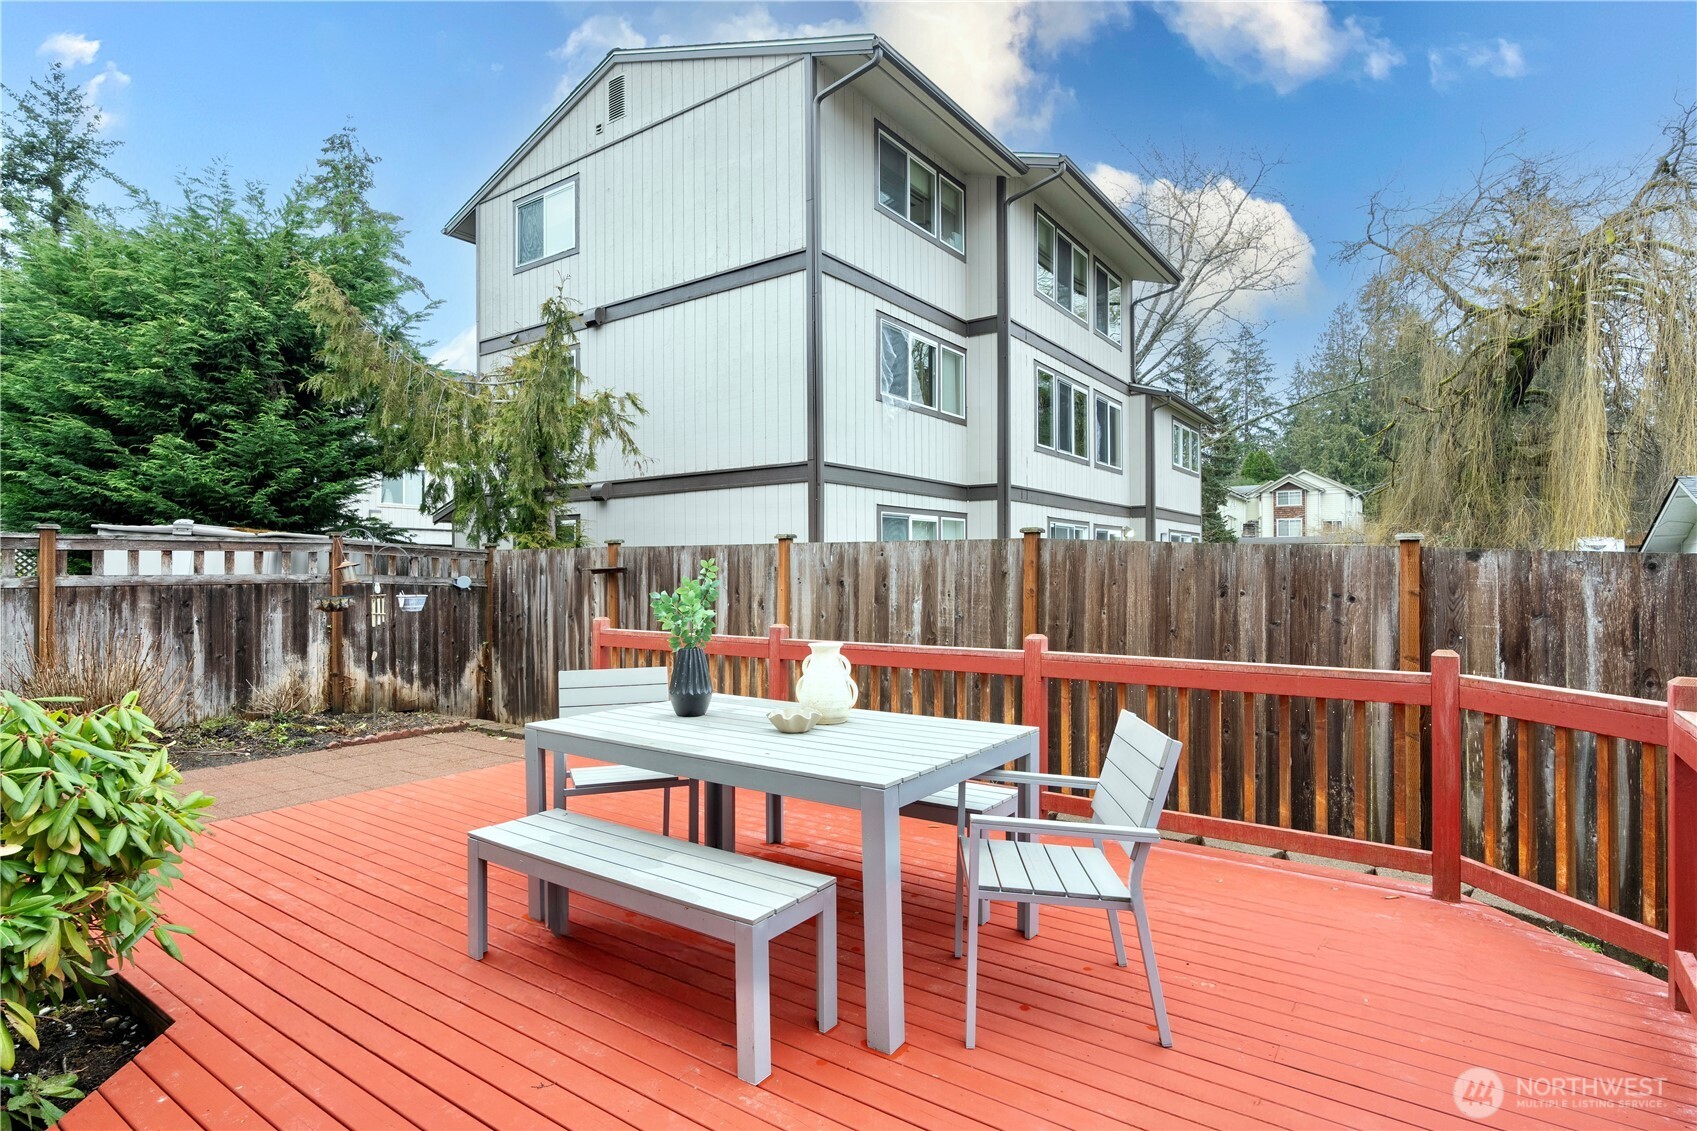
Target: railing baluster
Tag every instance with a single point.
(960, 695)
(1650, 821)
(1066, 727)
(1359, 786)
(937, 694)
(1216, 754)
(1563, 817)
(1399, 776)
(1285, 760)
(1093, 728)
(1185, 758)
(1322, 787)
(1246, 747)
(1524, 845)
(1489, 761)
(1152, 706)
(1605, 822)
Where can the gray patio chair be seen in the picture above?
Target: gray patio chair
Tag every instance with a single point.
(582, 692)
(1126, 807)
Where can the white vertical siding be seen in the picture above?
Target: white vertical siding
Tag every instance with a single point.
(1175, 488)
(736, 515)
(851, 513)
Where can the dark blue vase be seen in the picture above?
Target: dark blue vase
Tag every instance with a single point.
(691, 687)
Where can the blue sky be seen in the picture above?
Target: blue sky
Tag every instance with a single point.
(1351, 97)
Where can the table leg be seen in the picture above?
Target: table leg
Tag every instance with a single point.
(721, 826)
(881, 875)
(535, 800)
(774, 818)
(1030, 798)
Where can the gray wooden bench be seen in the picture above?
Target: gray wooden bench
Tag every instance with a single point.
(742, 899)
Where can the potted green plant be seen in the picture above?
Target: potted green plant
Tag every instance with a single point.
(687, 615)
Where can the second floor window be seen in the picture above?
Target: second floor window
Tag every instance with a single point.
(920, 370)
(1287, 498)
(1187, 448)
(547, 224)
(911, 188)
(1063, 415)
(1063, 270)
(1108, 314)
(403, 490)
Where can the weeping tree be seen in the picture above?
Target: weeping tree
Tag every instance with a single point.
(506, 448)
(1556, 388)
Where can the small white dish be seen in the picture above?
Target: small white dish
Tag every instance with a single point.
(793, 720)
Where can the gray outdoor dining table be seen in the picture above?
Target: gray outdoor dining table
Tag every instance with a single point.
(875, 763)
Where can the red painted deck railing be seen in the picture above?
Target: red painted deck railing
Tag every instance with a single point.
(1369, 767)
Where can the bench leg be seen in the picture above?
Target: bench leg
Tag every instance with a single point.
(666, 810)
(477, 902)
(694, 811)
(825, 956)
(754, 1007)
(774, 818)
(557, 909)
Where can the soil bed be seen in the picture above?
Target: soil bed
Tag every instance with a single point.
(225, 742)
(92, 1038)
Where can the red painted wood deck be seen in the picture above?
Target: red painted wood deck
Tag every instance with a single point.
(327, 985)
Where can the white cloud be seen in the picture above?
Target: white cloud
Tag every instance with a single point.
(459, 352)
(101, 91)
(1215, 209)
(587, 43)
(70, 48)
(989, 57)
(1501, 58)
(1282, 44)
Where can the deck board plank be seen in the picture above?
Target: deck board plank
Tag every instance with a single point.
(327, 982)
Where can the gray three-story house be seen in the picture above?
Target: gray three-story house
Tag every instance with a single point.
(851, 312)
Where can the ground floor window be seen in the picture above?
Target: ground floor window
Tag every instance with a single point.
(1289, 528)
(1110, 534)
(1061, 530)
(918, 526)
(1180, 536)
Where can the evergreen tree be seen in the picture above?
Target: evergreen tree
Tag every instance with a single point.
(1259, 466)
(161, 371)
(1339, 402)
(1248, 386)
(53, 153)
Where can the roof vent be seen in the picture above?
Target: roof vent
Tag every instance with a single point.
(615, 98)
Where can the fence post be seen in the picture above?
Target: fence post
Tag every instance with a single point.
(781, 607)
(338, 690)
(777, 672)
(1446, 775)
(486, 692)
(47, 604)
(1035, 687)
(1029, 576)
(1406, 817)
(610, 590)
(597, 650)
(1682, 845)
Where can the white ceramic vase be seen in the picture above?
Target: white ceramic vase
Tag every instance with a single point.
(827, 684)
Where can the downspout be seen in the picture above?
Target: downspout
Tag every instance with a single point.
(1004, 375)
(815, 397)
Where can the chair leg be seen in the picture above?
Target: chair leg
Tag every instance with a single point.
(477, 902)
(666, 810)
(1114, 930)
(825, 958)
(694, 811)
(1148, 944)
(754, 1008)
(557, 906)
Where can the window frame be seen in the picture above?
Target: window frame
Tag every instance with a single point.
(1297, 491)
(938, 173)
(1196, 435)
(577, 223)
(1118, 409)
(936, 340)
(910, 513)
(1080, 525)
(1279, 522)
(1188, 537)
(1097, 265)
(1039, 371)
(1039, 218)
(402, 481)
(1100, 532)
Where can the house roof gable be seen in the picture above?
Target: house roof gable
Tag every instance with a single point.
(1674, 518)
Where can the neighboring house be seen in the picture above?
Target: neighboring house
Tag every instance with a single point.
(121, 561)
(851, 312)
(1301, 506)
(399, 501)
(1675, 529)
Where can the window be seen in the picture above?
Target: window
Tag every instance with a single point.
(1288, 528)
(1108, 289)
(1109, 534)
(1108, 432)
(905, 526)
(1063, 415)
(1180, 536)
(911, 188)
(919, 370)
(1287, 498)
(403, 490)
(1187, 448)
(1062, 531)
(548, 224)
(1063, 270)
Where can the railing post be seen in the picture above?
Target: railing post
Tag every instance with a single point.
(1446, 775)
(1682, 846)
(47, 603)
(598, 650)
(781, 607)
(1406, 816)
(777, 673)
(1035, 708)
(337, 692)
(1029, 577)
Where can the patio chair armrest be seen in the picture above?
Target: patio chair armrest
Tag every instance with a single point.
(1022, 777)
(1081, 830)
